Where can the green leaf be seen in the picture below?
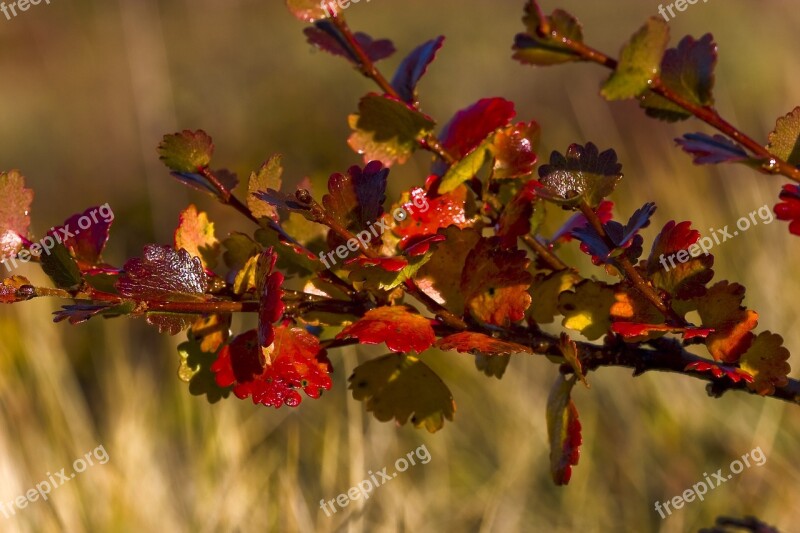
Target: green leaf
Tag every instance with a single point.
(687, 71)
(532, 49)
(563, 430)
(186, 151)
(195, 369)
(766, 362)
(639, 63)
(784, 141)
(14, 209)
(588, 308)
(375, 277)
(61, 268)
(465, 169)
(267, 177)
(387, 129)
(400, 387)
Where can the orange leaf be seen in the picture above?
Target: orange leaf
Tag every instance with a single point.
(399, 327)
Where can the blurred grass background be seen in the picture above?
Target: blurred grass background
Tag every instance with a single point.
(87, 91)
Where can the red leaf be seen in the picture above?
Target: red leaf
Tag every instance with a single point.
(515, 220)
(789, 208)
(298, 363)
(735, 374)
(86, 244)
(480, 344)
(9, 288)
(356, 200)
(514, 150)
(14, 209)
(270, 307)
(164, 274)
(439, 212)
(495, 283)
(389, 264)
(470, 126)
(563, 429)
(401, 329)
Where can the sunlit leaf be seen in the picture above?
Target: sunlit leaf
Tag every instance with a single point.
(530, 48)
(639, 63)
(267, 177)
(195, 369)
(687, 71)
(400, 327)
(495, 283)
(14, 209)
(186, 151)
(784, 141)
(587, 309)
(766, 362)
(195, 234)
(387, 130)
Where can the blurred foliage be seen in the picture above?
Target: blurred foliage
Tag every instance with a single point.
(88, 90)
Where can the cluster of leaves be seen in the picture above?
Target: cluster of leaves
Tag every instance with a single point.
(474, 259)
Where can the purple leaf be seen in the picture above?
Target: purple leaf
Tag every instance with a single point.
(413, 68)
(708, 150)
(327, 37)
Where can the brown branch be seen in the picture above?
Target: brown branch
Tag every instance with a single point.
(631, 274)
(771, 163)
(367, 67)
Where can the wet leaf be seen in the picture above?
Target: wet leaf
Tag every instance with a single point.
(9, 288)
(514, 150)
(400, 327)
(688, 71)
(14, 210)
(666, 271)
(480, 344)
(298, 363)
(532, 49)
(584, 174)
(471, 126)
(312, 10)
(495, 283)
(387, 130)
(164, 274)
(186, 151)
(639, 62)
(784, 141)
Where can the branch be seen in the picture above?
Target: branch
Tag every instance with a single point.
(771, 163)
(367, 67)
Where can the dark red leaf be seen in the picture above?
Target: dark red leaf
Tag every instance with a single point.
(470, 126)
(86, 244)
(789, 207)
(164, 274)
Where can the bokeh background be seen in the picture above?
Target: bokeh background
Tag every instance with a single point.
(87, 89)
